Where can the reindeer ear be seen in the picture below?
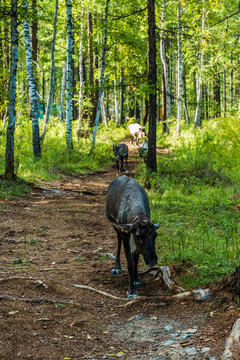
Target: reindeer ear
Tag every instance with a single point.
(127, 228)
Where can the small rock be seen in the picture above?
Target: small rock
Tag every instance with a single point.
(205, 350)
(191, 351)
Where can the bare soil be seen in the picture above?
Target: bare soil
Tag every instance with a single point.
(58, 236)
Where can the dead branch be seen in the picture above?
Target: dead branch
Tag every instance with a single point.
(98, 291)
(232, 348)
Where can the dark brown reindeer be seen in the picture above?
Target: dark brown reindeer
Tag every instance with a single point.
(127, 209)
(120, 152)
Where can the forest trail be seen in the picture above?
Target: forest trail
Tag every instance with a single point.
(59, 236)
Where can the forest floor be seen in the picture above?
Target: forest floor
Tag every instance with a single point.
(57, 237)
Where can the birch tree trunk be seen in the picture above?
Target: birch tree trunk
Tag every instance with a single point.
(101, 90)
(32, 91)
(62, 94)
(104, 112)
(9, 157)
(80, 101)
(179, 71)
(165, 67)
(152, 80)
(197, 121)
(69, 75)
(34, 41)
(53, 70)
(90, 67)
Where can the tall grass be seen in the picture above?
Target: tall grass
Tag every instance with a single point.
(56, 158)
(193, 197)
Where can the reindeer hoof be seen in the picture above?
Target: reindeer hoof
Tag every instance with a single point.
(132, 296)
(116, 271)
(137, 283)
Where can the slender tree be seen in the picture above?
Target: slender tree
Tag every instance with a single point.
(80, 75)
(9, 164)
(152, 80)
(103, 65)
(179, 70)
(53, 70)
(62, 93)
(165, 67)
(197, 121)
(34, 41)
(90, 67)
(69, 75)
(32, 90)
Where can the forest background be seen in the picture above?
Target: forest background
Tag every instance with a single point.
(172, 66)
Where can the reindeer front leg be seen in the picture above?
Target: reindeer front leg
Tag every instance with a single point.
(131, 288)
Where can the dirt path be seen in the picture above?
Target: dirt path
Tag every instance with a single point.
(59, 237)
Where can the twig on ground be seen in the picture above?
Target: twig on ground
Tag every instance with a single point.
(99, 291)
(39, 300)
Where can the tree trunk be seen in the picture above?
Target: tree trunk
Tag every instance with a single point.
(32, 91)
(103, 65)
(9, 165)
(34, 41)
(80, 101)
(122, 119)
(217, 93)
(69, 75)
(231, 85)
(224, 93)
(145, 118)
(166, 96)
(152, 79)
(199, 87)
(179, 71)
(115, 85)
(53, 70)
(63, 86)
(164, 104)
(2, 97)
(104, 112)
(185, 96)
(90, 67)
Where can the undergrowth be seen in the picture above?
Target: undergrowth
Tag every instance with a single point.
(194, 196)
(56, 160)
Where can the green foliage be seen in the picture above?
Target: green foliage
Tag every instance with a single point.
(193, 196)
(56, 159)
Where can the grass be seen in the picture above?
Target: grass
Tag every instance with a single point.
(193, 197)
(56, 160)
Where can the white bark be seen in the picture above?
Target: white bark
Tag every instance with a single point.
(104, 113)
(179, 71)
(197, 121)
(164, 61)
(53, 70)
(63, 85)
(69, 75)
(80, 76)
(32, 90)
